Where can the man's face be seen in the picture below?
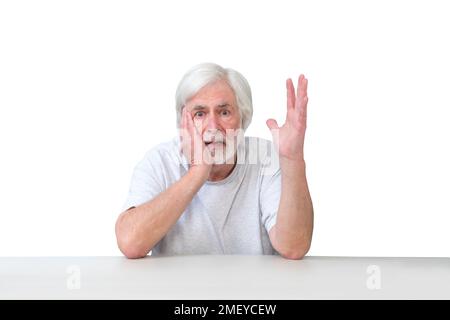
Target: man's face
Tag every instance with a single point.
(216, 116)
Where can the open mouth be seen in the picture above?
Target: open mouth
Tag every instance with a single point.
(214, 142)
(214, 146)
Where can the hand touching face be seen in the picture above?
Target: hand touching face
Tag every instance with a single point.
(215, 115)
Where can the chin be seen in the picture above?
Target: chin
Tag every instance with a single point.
(223, 156)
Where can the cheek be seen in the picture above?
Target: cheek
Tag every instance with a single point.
(233, 122)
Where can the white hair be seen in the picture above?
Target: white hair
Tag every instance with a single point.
(208, 73)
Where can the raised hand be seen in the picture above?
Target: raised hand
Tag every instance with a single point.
(289, 138)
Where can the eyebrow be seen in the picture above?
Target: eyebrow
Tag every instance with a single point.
(202, 107)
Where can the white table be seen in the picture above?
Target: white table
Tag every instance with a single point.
(224, 277)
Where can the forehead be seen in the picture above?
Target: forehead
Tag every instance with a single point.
(213, 94)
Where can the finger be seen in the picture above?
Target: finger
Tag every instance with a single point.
(302, 96)
(197, 124)
(197, 127)
(290, 92)
(304, 109)
(194, 130)
(272, 124)
(186, 139)
(301, 86)
(191, 129)
(182, 128)
(183, 118)
(189, 122)
(192, 141)
(197, 144)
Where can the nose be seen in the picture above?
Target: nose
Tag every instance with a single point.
(212, 123)
(212, 128)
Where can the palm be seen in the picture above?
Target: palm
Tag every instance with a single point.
(290, 137)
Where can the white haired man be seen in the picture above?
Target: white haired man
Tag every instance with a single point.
(210, 190)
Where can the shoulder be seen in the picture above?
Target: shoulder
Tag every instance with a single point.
(164, 150)
(163, 154)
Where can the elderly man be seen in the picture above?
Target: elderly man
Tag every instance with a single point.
(211, 190)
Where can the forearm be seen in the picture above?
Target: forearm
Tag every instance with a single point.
(294, 225)
(139, 229)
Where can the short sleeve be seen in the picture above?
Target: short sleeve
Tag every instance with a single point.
(270, 200)
(146, 182)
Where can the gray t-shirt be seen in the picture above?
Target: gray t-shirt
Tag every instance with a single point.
(231, 216)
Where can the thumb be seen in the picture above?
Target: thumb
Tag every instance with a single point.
(272, 124)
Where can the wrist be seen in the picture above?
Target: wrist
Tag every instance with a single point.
(296, 160)
(293, 166)
(200, 172)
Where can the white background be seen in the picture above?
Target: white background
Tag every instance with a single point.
(87, 87)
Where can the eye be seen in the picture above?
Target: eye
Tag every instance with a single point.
(199, 114)
(225, 113)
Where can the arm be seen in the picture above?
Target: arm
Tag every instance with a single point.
(140, 228)
(292, 233)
